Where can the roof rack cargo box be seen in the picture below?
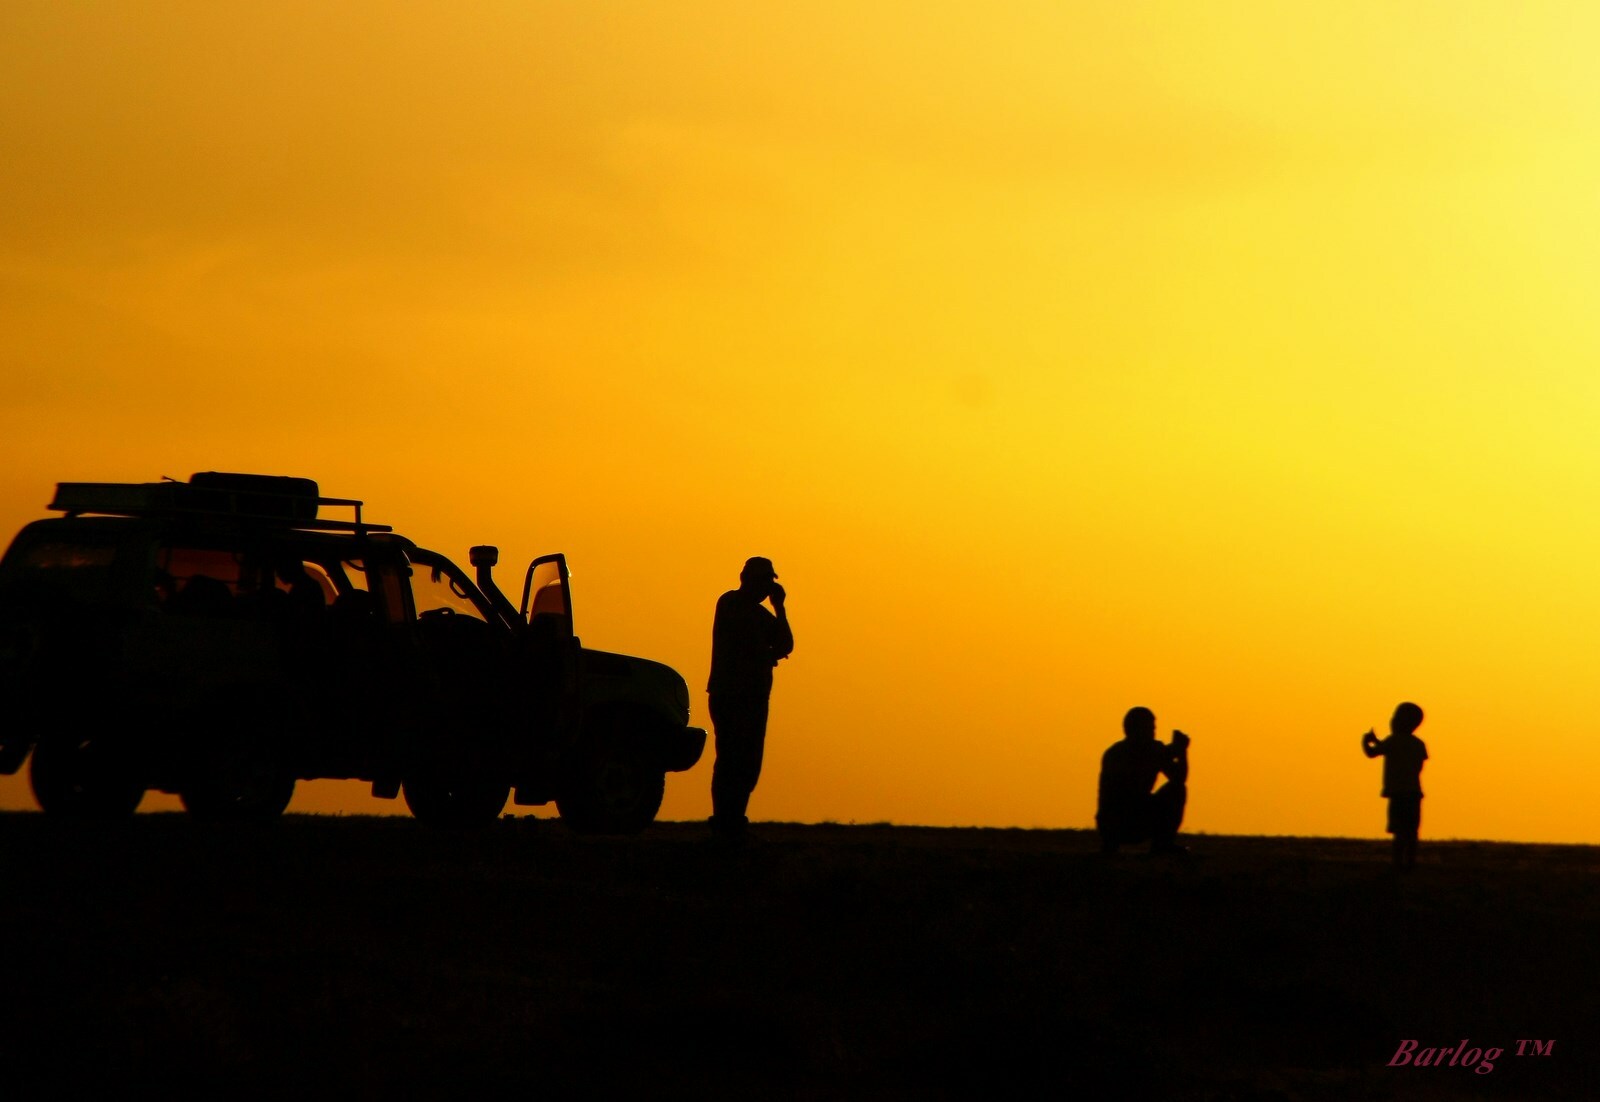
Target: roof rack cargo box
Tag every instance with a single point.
(240, 495)
(243, 498)
(120, 498)
(264, 495)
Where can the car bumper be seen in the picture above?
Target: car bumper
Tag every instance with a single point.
(682, 748)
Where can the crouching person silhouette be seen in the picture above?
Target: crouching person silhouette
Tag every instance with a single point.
(1129, 812)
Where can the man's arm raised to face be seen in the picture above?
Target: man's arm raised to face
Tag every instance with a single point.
(1177, 768)
(783, 645)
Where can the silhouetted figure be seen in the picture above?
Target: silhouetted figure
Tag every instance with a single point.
(1129, 812)
(355, 606)
(746, 643)
(305, 595)
(203, 595)
(1403, 754)
(166, 587)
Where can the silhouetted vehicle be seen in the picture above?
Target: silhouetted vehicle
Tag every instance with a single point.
(220, 639)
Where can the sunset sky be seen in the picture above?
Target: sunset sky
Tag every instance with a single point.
(1240, 360)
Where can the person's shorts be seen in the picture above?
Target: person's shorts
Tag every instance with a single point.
(1405, 815)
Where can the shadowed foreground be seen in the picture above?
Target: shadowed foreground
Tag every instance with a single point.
(359, 956)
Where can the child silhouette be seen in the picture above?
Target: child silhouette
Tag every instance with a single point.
(1403, 754)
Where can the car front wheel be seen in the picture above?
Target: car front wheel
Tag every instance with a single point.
(616, 791)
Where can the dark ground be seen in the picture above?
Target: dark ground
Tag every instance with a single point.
(366, 956)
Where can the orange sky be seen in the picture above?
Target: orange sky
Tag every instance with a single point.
(1237, 360)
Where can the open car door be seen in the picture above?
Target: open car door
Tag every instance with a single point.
(547, 597)
(556, 696)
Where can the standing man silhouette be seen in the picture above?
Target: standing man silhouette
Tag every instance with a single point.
(746, 643)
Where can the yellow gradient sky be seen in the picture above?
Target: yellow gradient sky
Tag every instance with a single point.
(1234, 359)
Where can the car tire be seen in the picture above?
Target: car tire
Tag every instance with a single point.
(617, 790)
(236, 780)
(79, 776)
(458, 804)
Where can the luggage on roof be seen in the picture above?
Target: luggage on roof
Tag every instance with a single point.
(265, 495)
(245, 497)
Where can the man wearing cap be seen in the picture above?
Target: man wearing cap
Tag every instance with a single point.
(746, 643)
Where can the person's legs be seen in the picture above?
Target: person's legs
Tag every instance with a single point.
(1411, 839)
(1111, 832)
(1166, 816)
(740, 723)
(1405, 819)
(1121, 823)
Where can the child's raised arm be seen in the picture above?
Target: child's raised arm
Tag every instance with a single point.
(1370, 744)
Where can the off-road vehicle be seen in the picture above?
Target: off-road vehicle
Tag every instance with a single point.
(222, 638)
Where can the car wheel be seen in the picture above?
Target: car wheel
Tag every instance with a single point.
(19, 650)
(617, 791)
(237, 780)
(455, 804)
(83, 777)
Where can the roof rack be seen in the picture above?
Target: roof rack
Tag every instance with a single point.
(253, 499)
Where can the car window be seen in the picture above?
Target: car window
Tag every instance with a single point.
(81, 569)
(314, 573)
(433, 588)
(184, 564)
(198, 580)
(355, 573)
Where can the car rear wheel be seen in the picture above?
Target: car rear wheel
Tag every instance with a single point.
(81, 776)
